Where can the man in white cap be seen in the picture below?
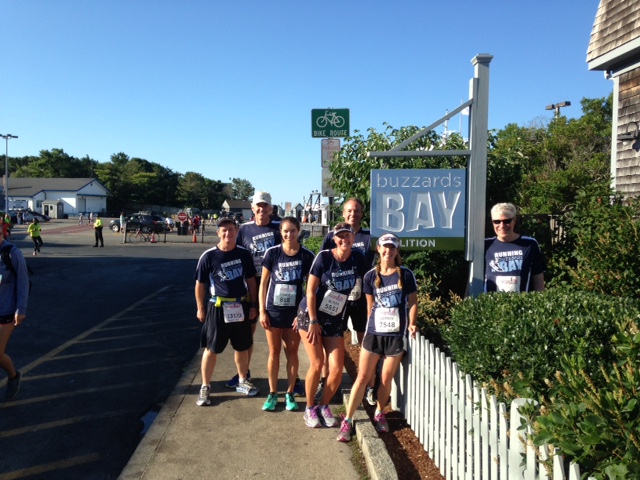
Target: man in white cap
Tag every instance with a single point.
(257, 236)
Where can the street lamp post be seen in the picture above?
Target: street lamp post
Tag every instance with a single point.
(6, 171)
(558, 106)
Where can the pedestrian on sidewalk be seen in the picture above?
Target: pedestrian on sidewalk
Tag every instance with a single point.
(392, 305)
(14, 294)
(34, 232)
(285, 268)
(334, 275)
(97, 228)
(225, 275)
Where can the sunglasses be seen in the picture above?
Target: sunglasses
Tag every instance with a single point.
(506, 221)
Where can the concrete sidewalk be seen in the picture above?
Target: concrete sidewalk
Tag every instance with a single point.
(234, 438)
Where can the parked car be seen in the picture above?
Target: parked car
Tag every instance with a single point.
(29, 215)
(148, 223)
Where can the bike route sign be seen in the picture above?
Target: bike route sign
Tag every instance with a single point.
(329, 122)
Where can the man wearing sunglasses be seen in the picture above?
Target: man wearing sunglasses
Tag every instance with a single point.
(513, 262)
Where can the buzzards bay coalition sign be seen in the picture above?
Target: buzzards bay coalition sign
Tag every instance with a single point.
(424, 208)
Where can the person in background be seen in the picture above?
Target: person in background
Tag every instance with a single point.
(225, 291)
(257, 236)
(335, 275)
(14, 294)
(284, 270)
(97, 228)
(392, 310)
(80, 219)
(512, 262)
(123, 223)
(90, 218)
(34, 233)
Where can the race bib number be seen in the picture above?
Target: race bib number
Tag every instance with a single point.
(284, 295)
(508, 284)
(232, 312)
(333, 303)
(387, 320)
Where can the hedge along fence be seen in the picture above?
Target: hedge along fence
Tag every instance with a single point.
(576, 353)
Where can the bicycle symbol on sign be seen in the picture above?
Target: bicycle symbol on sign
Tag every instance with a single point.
(330, 118)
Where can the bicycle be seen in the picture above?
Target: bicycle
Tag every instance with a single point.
(139, 236)
(330, 118)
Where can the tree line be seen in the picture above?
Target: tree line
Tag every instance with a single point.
(134, 182)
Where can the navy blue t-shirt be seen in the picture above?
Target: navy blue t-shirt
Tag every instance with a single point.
(509, 266)
(286, 270)
(257, 239)
(390, 296)
(225, 272)
(335, 276)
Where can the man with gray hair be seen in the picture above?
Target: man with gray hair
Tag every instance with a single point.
(513, 262)
(257, 236)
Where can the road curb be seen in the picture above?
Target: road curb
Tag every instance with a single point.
(379, 463)
(147, 447)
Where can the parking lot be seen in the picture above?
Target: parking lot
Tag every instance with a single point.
(107, 336)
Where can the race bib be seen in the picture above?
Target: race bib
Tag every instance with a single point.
(333, 303)
(387, 320)
(284, 295)
(507, 284)
(232, 312)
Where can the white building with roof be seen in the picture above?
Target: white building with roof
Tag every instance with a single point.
(57, 196)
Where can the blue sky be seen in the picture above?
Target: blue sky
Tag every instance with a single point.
(226, 89)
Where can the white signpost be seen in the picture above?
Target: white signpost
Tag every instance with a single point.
(330, 146)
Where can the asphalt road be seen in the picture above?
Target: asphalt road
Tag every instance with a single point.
(108, 334)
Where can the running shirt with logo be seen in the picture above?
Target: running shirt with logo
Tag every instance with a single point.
(288, 274)
(337, 279)
(390, 303)
(362, 244)
(257, 239)
(225, 272)
(510, 266)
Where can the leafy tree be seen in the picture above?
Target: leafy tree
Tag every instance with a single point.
(197, 191)
(239, 189)
(55, 164)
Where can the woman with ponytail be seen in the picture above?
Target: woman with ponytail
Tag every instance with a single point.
(392, 306)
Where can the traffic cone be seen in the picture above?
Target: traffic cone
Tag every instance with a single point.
(153, 237)
(195, 237)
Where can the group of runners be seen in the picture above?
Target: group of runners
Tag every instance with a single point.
(260, 272)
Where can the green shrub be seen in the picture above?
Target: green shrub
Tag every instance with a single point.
(595, 421)
(314, 244)
(514, 342)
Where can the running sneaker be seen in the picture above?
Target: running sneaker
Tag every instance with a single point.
(13, 387)
(298, 388)
(327, 416)
(203, 398)
(345, 431)
(369, 396)
(311, 417)
(233, 383)
(291, 404)
(318, 394)
(247, 388)
(270, 403)
(380, 422)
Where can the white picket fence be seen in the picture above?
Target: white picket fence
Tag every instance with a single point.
(466, 432)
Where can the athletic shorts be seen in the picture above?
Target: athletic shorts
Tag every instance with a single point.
(281, 318)
(357, 311)
(328, 329)
(8, 318)
(216, 334)
(384, 345)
